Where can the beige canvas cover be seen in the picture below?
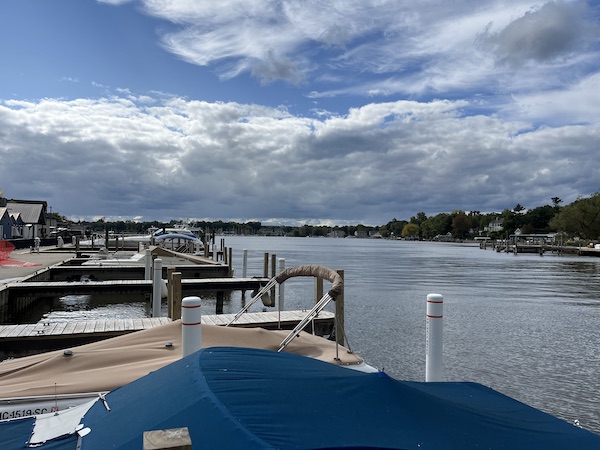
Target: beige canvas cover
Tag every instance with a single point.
(111, 363)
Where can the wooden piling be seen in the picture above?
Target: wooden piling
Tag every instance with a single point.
(220, 297)
(177, 293)
(339, 315)
(318, 289)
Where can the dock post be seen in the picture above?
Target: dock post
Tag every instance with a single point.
(318, 289)
(281, 300)
(175, 280)
(435, 338)
(339, 315)
(219, 306)
(266, 266)
(148, 270)
(191, 325)
(170, 271)
(273, 273)
(157, 287)
(230, 260)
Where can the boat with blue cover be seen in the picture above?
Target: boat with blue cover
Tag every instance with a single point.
(233, 398)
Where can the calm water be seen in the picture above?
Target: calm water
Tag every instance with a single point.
(525, 325)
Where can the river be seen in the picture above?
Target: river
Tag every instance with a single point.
(525, 325)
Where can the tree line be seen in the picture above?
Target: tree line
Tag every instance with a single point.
(580, 219)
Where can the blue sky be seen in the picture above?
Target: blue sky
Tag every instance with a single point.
(297, 111)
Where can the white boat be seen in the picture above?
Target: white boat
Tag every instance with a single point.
(171, 237)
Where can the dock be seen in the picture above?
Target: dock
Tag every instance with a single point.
(56, 274)
(17, 340)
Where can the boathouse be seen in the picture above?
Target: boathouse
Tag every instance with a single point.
(29, 218)
(5, 223)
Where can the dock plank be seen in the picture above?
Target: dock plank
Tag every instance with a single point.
(60, 327)
(26, 330)
(70, 328)
(79, 327)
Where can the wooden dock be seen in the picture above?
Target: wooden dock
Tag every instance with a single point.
(190, 285)
(17, 340)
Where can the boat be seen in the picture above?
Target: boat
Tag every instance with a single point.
(233, 398)
(61, 379)
(294, 390)
(165, 236)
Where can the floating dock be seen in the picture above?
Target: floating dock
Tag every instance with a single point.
(18, 340)
(57, 274)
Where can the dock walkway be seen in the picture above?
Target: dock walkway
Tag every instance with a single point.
(16, 340)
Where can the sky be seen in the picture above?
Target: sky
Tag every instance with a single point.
(321, 112)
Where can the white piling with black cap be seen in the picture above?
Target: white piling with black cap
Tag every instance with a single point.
(435, 338)
(191, 325)
(157, 288)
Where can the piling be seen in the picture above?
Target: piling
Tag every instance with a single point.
(191, 320)
(434, 339)
(339, 314)
(157, 288)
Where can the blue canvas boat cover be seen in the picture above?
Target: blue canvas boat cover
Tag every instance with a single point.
(240, 398)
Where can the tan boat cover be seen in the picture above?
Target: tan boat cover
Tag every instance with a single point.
(315, 271)
(111, 363)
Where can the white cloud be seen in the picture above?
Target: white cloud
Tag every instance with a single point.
(178, 158)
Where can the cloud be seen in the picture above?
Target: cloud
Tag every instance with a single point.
(552, 33)
(176, 158)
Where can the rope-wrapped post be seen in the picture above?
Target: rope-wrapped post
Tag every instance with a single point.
(434, 363)
(191, 325)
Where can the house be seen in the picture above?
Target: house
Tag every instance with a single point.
(5, 223)
(494, 225)
(17, 225)
(32, 214)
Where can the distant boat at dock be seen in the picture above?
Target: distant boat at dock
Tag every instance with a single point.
(163, 235)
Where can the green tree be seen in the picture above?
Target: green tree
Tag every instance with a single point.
(537, 220)
(410, 230)
(439, 224)
(461, 224)
(580, 218)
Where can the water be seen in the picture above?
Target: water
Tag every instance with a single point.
(524, 325)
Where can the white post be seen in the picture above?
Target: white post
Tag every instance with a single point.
(157, 286)
(148, 271)
(191, 325)
(245, 264)
(434, 364)
(281, 290)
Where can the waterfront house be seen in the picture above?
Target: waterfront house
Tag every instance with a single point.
(5, 223)
(495, 225)
(32, 213)
(17, 225)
